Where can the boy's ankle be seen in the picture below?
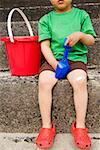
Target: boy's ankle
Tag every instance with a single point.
(47, 125)
(80, 124)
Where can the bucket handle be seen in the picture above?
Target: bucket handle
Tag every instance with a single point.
(9, 23)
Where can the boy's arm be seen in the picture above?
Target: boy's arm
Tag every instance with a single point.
(87, 39)
(45, 48)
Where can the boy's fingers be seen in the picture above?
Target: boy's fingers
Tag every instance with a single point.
(67, 41)
(70, 40)
(72, 43)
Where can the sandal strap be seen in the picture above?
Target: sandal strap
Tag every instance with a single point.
(46, 132)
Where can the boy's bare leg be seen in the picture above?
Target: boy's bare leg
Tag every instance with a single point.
(78, 80)
(47, 81)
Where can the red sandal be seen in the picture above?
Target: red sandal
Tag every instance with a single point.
(46, 137)
(81, 138)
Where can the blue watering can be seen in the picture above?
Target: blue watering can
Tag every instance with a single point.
(63, 67)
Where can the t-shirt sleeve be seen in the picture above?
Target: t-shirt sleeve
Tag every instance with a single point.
(86, 26)
(43, 29)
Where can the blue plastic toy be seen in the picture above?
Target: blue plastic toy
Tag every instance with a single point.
(63, 67)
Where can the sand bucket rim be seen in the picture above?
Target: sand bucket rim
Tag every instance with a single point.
(21, 39)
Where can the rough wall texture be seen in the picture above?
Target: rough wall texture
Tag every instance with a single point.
(29, 3)
(19, 109)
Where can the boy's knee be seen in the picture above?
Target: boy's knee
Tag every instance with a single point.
(44, 82)
(47, 80)
(79, 82)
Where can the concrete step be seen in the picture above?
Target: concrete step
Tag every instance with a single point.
(19, 28)
(25, 3)
(86, 1)
(21, 141)
(19, 108)
(28, 3)
(35, 12)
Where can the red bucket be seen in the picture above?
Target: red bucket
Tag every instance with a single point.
(23, 53)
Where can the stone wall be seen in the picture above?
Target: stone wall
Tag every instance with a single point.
(34, 10)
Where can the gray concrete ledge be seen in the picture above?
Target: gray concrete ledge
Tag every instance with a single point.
(19, 109)
(35, 12)
(23, 141)
(17, 3)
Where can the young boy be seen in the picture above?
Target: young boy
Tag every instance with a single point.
(54, 27)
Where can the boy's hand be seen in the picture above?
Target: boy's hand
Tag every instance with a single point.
(62, 69)
(73, 38)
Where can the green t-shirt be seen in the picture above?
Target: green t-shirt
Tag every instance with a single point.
(56, 26)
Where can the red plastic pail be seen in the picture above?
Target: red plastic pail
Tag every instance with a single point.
(23, 53)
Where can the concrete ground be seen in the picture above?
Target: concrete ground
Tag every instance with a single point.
(21, 141)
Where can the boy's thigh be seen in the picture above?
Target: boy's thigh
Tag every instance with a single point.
(78, 71)
(47, 73)
(77, 65)
(46, 66)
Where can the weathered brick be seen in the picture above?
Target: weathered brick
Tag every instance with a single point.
(29, 3)
(35, 13)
